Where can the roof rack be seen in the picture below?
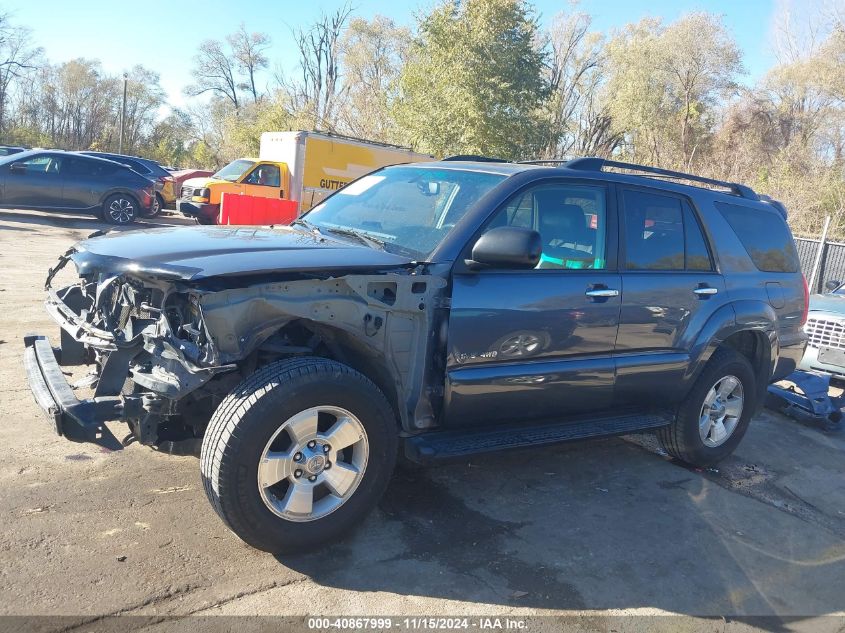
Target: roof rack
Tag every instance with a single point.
(476, 158)
(598, 164)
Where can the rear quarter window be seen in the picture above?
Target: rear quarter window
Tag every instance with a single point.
(765, 236)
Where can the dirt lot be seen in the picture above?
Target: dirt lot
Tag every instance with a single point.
(609, 528)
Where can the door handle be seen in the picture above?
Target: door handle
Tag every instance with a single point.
(705, 291)
(602, 292)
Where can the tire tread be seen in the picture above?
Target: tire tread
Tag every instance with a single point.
(224, 431)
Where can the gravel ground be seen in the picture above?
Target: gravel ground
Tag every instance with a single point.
(606, 529)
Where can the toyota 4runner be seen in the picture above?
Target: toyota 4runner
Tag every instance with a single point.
(426, 312)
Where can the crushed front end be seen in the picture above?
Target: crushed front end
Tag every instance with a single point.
(143, 338)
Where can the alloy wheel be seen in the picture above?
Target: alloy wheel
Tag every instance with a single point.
(121, 210)
(313, 463)
(721, 411)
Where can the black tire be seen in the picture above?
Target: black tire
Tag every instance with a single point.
(248, 418)
(205, 221)
(124, 213)
(682, 439)
(158, 205)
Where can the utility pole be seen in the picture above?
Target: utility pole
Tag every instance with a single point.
(122, 115)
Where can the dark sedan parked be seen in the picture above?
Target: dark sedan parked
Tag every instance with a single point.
(165, 183)
(56, 180)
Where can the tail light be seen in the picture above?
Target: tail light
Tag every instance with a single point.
(806, 301)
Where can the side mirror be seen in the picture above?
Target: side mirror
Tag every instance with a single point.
(18, 167)
(507, 247)
(832, 285)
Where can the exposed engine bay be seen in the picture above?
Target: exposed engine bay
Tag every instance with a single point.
(171, 347)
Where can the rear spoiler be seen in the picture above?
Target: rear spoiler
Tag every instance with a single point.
(777, 204)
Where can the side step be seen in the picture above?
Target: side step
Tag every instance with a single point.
(438, 445)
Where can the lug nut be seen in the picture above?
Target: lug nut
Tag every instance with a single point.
(326, 448)
(297, 473)
(312, 478)
(297, 457)
(312, 444)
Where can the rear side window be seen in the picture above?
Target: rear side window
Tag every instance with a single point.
(157, 170)
(697, 254)
(764, 235)
(662, 233)
(133, 165)
(80, 167)
(654, 231)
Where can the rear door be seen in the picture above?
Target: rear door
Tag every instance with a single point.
(85, 180)
(535, 344)
(34, 182)
(670, 289)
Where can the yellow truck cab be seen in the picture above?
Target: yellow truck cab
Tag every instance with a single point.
(301, 166)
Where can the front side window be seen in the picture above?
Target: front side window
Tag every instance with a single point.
(571, 220)
(408, 208)
(41, 164)
(265, 175)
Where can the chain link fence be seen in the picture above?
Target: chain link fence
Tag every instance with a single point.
(832, 263)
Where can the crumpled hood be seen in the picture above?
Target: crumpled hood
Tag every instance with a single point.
(198, 252)
(828, 303)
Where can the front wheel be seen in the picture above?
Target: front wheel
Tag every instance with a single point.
(714, 417)
(120, 209)
(298, 453)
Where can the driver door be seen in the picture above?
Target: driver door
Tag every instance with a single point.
(34, 182)
(538, 344)
(264, 181)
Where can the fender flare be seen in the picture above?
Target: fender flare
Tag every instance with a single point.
(738, 316)
(118, 190)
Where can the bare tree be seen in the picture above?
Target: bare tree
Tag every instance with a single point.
(249, 52)
(578, 124)
(215, 72)
(318, 90)
(16, 58)
(144, 96)
(373, 54)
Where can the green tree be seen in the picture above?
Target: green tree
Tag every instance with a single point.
(474, 82)
(666, 83)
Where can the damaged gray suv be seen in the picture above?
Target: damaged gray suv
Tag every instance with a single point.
(427, 312)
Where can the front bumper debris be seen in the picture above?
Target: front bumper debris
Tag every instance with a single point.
(77, 420)
(807, 400)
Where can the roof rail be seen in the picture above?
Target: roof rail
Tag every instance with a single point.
(545, 161)
(476, 158)
(598, 164)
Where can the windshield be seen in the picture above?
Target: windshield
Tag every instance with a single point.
(234, 170)
(409, 209)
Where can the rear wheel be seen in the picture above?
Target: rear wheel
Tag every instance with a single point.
(120, 209)
(158, 205)
(298, 453)
(713, 419)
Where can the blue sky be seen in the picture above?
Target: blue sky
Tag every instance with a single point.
(163, 35)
